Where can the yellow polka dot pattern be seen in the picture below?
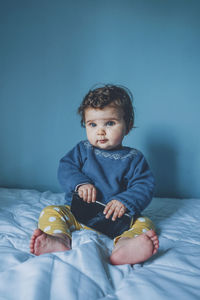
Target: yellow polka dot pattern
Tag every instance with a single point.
(58, 219)
(141, 225)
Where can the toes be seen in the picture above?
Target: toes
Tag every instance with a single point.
(155, 241)
(36, 234)
(156, 246)
(31, 247)
(155, 250)
(150, 233)
(32, 242)
(153, 237)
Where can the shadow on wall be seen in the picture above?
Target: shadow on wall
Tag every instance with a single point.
(162, 151)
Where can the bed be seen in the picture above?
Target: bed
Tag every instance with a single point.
(84, 273)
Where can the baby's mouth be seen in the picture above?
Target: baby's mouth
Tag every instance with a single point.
(103, 141)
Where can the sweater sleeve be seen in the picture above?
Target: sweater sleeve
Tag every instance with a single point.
(70, 173)
(140, 186)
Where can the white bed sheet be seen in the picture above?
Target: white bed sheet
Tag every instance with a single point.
(84, 273)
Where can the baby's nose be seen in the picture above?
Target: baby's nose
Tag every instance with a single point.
(101, 131)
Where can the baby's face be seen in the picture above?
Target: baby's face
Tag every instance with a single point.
(105, 127)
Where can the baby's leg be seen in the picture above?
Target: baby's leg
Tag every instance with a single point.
(136, 245)
(54, 233)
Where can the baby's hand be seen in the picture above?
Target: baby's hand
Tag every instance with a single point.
(87, 192)
(115, 208)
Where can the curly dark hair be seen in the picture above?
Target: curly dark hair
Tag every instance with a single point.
(102, 96)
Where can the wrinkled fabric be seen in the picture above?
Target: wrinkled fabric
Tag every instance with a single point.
(85, 272)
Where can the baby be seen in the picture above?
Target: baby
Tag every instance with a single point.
(102, 169)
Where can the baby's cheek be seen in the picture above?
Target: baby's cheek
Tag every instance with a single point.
(117, 137)
(91, 138)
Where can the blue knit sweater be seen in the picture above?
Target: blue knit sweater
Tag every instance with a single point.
(121, 174)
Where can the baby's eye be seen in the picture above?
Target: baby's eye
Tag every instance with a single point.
(110, 123)
(92, 124)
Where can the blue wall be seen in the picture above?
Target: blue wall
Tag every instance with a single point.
(52, 52)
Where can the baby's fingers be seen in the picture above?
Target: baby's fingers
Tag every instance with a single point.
(94, 194)
(106, 209)
(109, 213)
(116, 213)
(80, 193)
(87, 192)
(109, 209)
(91, 195)
(121, 212)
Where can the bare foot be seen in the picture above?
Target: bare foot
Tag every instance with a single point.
(41, 243)
(135, 250)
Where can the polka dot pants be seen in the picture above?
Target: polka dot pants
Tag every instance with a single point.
(59, 219)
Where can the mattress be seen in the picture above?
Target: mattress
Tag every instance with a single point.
(85, 272)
